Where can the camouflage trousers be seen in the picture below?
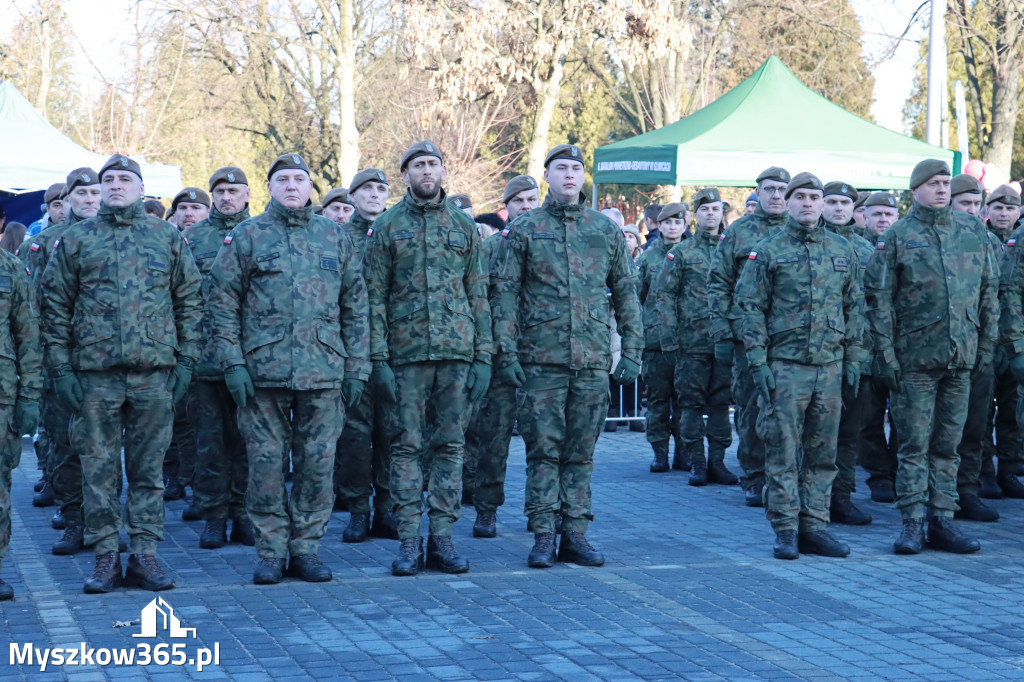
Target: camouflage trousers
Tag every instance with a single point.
(877, 453)
(848, 443)
(10, 458)
(929, 412)
(180, 459)
(308, 423)
(801, 421)
(488, 436)
(362, 465)
(413, 428)
(1002, 421)
(750, 452)
(662, 400)
(66, 464)
(131, 409)
(977, 430)
(703, 388)
(561, 414)
(222, 466)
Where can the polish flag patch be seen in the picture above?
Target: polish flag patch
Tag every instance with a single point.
(56, 243)
(504, 233)
(671, 256)
(34, 247)
(369, 233)
(227, 240)
(721, 237)
(880, 246)
(753, 255)
(1012, 242)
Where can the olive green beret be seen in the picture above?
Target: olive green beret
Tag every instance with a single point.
(801, 180)
(881, 199)
(837, 188)
(927, 169)
(192, 195)
(80, 177)
(676, 210)
(708, 195)
(861, 198)
(121, 162)
(53, 192)
(336, 194)
(1004, 194)
(519, 183)
(774, 173)
(421, 148)
(964, 184)
(461, 201)
(318, 209)
(229, 174)
(288, 162)
(564, 151)
(367, 175)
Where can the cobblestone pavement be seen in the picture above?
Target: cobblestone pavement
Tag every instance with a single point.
(690, 591)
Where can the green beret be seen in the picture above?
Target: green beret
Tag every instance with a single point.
(676, 210)
(80, 177)
(1004, 194)
(881, 199)
(861, 198)
(927, 169)
(121, 162)
(964, 184)
(519, 183)
(336, 194)
(774, 173)
(192, 195)
(367, 175)
(53, 192)
(461, 201)
(421, 148)
(801, 180)
(229, 174)
(838, 188)
(564, 151)
(708, 195)
(287, 162)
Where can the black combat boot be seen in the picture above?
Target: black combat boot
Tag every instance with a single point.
(214, 535)
(911, 540)
(699, 475)
(70, 542)
(680, 457)
(107, 574)
(989, 489)
(486, 525)
(358, 527)
(58, 522)
(144, 572)
(44, 498)
(410, 557)
(844, 511)
(1010, 484)
(442, 556)
(820, 542)
(575, 549)
(173, 489)
(385, 525)
(268, 571)
(543, 553)
(944, 535)
(38, 485)
(309, 568)
(659, 464)
(785, 546)
(6, 591)
(973, 509)
(243, 532)
(882, 491)
(191, 512)
(720, 474)
(753, 496)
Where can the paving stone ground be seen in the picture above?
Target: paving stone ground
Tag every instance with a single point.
(689, 591)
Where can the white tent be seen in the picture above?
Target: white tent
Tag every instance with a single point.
(34, 154)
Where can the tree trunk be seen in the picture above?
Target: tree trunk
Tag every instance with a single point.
(45, 59)
(348, 134)
(547, 92)
(1006, 74)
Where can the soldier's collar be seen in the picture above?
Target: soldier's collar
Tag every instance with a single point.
(930, 216)
(292, 217)
(713, 237)
(559, 209)
(423, 205)
(123, 215)
(228, 221)
(804, 233)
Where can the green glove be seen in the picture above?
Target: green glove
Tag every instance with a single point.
(764, 381)
(982, 363)
(889, 378)
(478, 381)
(177, 383)
(352, 391)
(26, 416)
(512, 374)
(382, 378)
(239, 384)
(1000, 360)
(626, 371)
(851, 381)
(67, 388)
(723, 352)
(1017, 367)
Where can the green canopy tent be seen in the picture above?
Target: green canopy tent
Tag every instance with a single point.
(770, 119)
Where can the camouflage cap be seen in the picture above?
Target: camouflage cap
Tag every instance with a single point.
(421, 148)
(564, 151)
(880, 199)
(336, 194)
(81, 177)
(776, 173)
(708, 195)
(927, 169)
(802, 180)
(838, 188)
(287, 162)
(1004, 194)
(652, 212)
(121, 162)
(192, 195)
(229, 174)
(461, 201)
(964, 184)
(367, 175)
(53, 192)
(675, 210)
(519, 183)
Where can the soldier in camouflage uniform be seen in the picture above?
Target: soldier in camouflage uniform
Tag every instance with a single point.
(932, 290)
(490, 430)
(122, 309)
(701, 382)
(337, 206)
(730, 257)
(289, 312)
(222, 467)
(1011, 321)
(803, 331)
(363, 465)
(840, 198)
(21, 384)
(430, 342)
(551, 312)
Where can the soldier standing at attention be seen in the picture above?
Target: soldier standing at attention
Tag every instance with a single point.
(337, 206)
(222, 467)
(430, 342)
(701, 382)
(730, 257)
(288, 306)
(122, 313)
(553, 269)
(932, 289)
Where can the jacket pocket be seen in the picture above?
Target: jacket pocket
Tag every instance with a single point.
(331, 337)
(540, 315)
(784, 323)
(400, 311)
(266, 333)
(162, 330)
(88, 332)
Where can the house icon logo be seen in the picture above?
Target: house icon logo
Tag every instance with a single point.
(158, 615)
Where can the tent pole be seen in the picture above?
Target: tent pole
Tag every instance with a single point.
(594, 204)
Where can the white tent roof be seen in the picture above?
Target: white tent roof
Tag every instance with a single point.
(34, 154)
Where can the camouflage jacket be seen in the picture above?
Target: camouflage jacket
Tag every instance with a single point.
(932, 292)
(734, 247)
(427, 282)
(681, 295)
(865, 249)
(1011, 295)
(121, 290)
(287, 300)
(205, 239)
(553, 269)
(358, 230)
(649, 265)
(21, 357)
(35, 251)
